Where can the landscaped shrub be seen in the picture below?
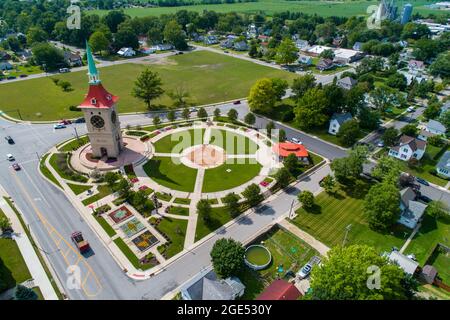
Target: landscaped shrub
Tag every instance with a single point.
(62, 164)
(104, 208)
(74, 108)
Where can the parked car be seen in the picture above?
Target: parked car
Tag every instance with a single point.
(9, 139)
(23, 76)
(80, 120)
(424, 198)
(16, 166)
(64, 70)
(59, 126)
(410, 109)
(10, 157)
(193, 110)
(295, 140)
(237, 102)
(82, 245)
(225, 51)
(11, 77)
(422, 181)
(305, 271)
(65, 122)
(380, 144)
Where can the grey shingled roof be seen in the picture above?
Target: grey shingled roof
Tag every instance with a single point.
(444, 162)
(407, 264)
(436, 126)
(348, 81)
(342, 117)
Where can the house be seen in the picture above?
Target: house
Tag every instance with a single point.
(407, 148)
(307, 60)
(146, 50)
(280, 290)
(227, 44)
(403, 43)
(207, 286)
(24, 54)
(411, 210)
(347, 83)
(240, 46)
(407, 264)
(410, 77)
(163, 47)
(325, 64)
(210, 40)
(337, 42)
(445, 107)
(424, 135)
(4, 56)
(283, 149)
(435, 127)
(416, 65)
(315, 51)
(263, 38)
(337, 120)
(73, 59)
(443, 166)
(5, 66)
(302, 45)
(358, 46)
(126, 52)
(344, 56)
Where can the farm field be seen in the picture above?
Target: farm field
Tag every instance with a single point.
(269, 7)
(208, 77)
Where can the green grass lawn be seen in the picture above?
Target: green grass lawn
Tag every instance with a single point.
(430, 234)
(79, 188)
(68, 175)
(441, 261)
(105, 225)
(174, 176)
(218, 179)
(175, 229)
(332, 213)
(209, 77)
(219, 217)
(179, 210)
(177, 142)
(287, 251)
(46, 172)
(74, 144)
(130, 255)
(182, 201)
(103, 191)
(21, 69)
(232, 143)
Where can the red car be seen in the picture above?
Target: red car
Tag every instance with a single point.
(82, 245)
(16, 166)
(65, 122)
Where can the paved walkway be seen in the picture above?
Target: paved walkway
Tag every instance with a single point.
(29, 255)
(411, 236)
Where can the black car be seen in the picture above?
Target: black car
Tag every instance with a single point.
(80, 120)
(11, 78)
(422, 181)
(23, 76)
(9, 139)
(424, 198)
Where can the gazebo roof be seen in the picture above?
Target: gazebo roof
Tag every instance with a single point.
(286, 148)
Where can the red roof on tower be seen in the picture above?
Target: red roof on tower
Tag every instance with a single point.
(286, 148)
(98, 97)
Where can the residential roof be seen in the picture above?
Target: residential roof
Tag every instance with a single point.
(414, 211)
(347, 81)
(406, 195)
(426, 133)
(280, 290)
(416, 63)
(71, 56)
(407, 264)
(286, 148)
(444, 162)
(342, 117)
(414, 144)
(436, 126)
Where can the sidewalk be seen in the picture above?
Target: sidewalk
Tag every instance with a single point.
(26, 248)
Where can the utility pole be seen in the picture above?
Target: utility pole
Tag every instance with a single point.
(347, 229)
(76, 134)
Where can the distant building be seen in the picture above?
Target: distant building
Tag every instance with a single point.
(317, 50)
(407, 148)
(337, 120)
(407, 264)
(73, 59)
(416, 65)
(4, 56)
(227, 44)
(207, 286)
(325, 64)
(358, 46)
(284, 149)
(301, 45)
(424, 135)
(306, 60)
(428, 274)
(347, 83)
(210, 40)
(435, 127)
(411, 210)
(406, 13)
(443, 166)
(126, 52)
(345, 56)
(164, 47)
(5, 66)
(240, 46)
(280, 290)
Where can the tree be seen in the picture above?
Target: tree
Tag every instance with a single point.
(98, 42)
(387, 170)
(303, 84)
(433, 110)
(216, 112)
(110, 178)
(437, 209)
(369, 119)
(262, 97)
(147, 87)
(286, 52)
(171, 116)
(173, 34)
(282, 135)
(310, 109)
(227, 257)
(347, 169)
(185, 113)
(232, 114)
(48, 55)
(349, 132)
(441, 66)
(381, 205)
(113, 19)
(350, 265)
(231, 202)
(280, 86)
(269, 127)
(36, 34)
(327, 54)
(397, 80)
(283, 177)
(125, 37)
(5, 223)
(201, 113)
(410, 130)
(180, 97)
(156, 120)
(306, 198)
(389, 137)
(291, 163)
(204, 210)
(24, 293)
(250, 118)
(252, 194)
(328, 183)
(445, 119)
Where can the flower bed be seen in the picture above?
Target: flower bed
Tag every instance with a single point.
(120, 214)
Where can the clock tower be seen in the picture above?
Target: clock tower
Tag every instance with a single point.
(102, 122)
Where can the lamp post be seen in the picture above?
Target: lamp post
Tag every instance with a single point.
(347, 229)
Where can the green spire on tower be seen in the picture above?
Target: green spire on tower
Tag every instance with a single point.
(92, 69)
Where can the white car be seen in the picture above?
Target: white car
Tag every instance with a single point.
(380, 144)
(410, 109)
(59, 126)
(10, 157)
(295, 140)
(305, 271)
(64, 70)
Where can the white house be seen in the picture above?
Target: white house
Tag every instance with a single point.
(407, 264)
(435, 127)
(344, 56)
(163, 47)
(337, 120)
(126, 52)
(346, 83)
(407, 148)
(411, 210)
(443, 166)
(305, 60)
(301, 45)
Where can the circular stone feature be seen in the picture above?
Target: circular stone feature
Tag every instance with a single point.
(203, 156)
(257, 257)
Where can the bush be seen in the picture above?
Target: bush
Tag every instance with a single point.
(74, 108)
(436, 141)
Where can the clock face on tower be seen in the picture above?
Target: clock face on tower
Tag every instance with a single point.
(97, 122)
(113, 117)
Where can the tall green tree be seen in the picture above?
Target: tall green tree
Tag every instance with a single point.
(347, 169)
(24, 293)
(349, 132)
(262, 97)
(390, 136)
(306, 198)
(252, 194)
(148, 87)
(231, 202)
(283, 177)
(310, 109)
(286, 52)
(232, 114)
(227, 257)
(382, 206)
(250, 118)
(204, 210)
(303, 84)
(98, 42)
(173, 34)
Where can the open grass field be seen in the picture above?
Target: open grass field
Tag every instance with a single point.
(46, 172)
(441, 261)
(208, 77)
(319, 7)
(79, 188)
(175, 229)
(232, 143)
(103, 191)
(219, 217)
(174, 176)
(177, 142)
(333, 213)
(218, 179)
